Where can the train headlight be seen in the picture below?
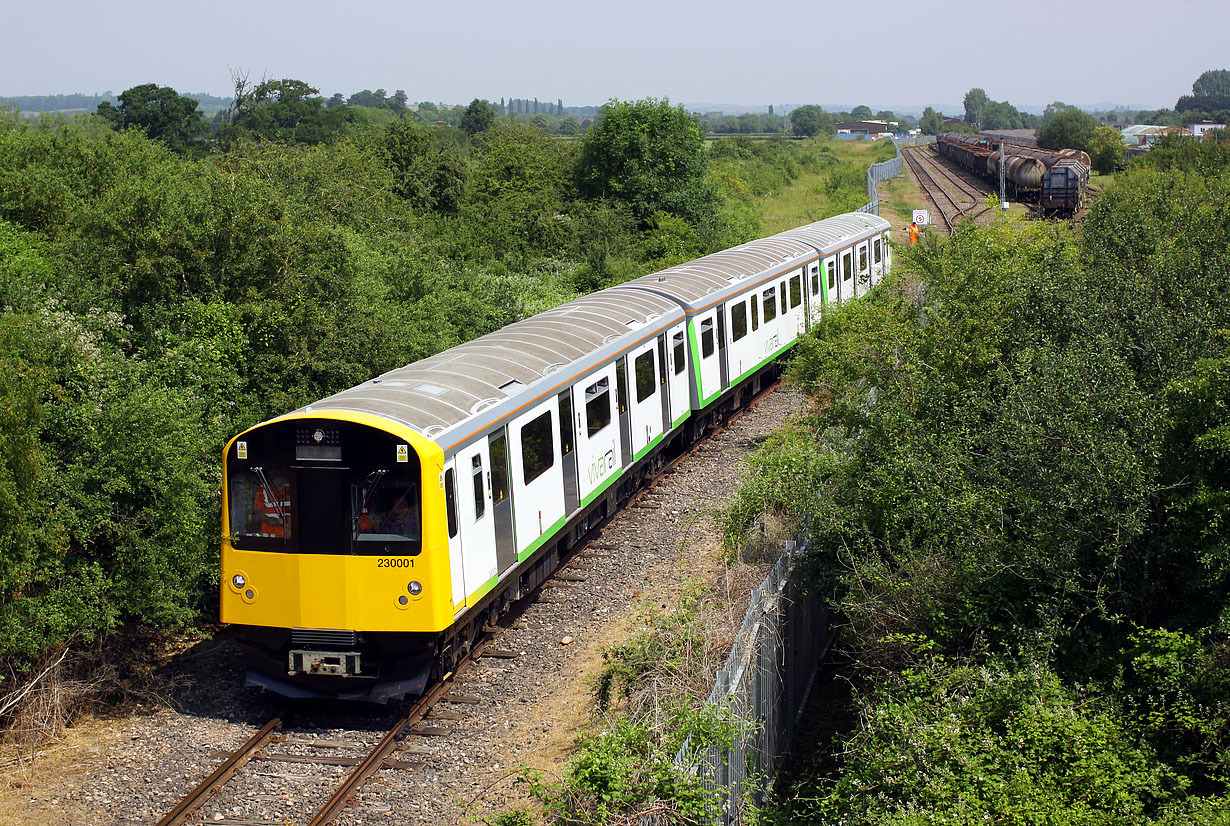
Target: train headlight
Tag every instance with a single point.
(415, 588)
(239, 580)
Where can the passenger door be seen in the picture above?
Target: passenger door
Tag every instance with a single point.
(815, 301)
(677, 359)
(708, 375)
(598, 456)
(644, 400)
(538, 479)
(831, 295)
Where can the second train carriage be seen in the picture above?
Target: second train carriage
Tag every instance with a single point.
(369, 536)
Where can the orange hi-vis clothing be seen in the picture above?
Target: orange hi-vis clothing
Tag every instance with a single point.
(271, 512)
(913, 233)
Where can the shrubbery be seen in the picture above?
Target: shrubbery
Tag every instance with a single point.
(1018, 479)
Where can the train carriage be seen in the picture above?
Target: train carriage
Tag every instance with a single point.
(369, 536)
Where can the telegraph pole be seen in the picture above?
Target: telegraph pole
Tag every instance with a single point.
(1003, 200)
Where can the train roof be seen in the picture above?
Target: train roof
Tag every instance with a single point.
(442, 391)
(455, 392)
(832, 233)
(699, 283)
(695, 281)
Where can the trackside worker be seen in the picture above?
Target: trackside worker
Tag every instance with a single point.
(913, 232)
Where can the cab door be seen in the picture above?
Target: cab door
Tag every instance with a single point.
(475, 519)
(501, 499)
(452, 515)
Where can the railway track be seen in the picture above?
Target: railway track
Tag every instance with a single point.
(383, 755)
(205, 804)
(954, 197)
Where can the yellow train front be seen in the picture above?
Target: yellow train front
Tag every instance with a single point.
(335, 557)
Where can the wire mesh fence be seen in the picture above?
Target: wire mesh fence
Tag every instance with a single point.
(877, 172)
(763, 687)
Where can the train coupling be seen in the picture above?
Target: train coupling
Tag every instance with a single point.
(324, 663)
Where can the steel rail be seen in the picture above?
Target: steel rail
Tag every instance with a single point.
(924, 166)
(187, 808)
(375, 760)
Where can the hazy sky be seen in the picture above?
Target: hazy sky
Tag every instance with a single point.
(885, 54)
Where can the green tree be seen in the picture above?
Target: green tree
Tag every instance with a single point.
(976, 102)
(1070, 129)
(478, 117)
(1213, 83)
(808, 121)
(163, 114)
(1106, 149)
(649, 155)
(286, 111)
(931, 123)
(860, 113)
(427, 172)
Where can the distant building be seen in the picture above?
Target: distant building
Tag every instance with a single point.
(1204, 127)
(1142, 135)
(871, 128)
(1021, 137)
(951, 121)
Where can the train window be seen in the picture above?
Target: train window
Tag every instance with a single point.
(796, 291)
(480, 498)
(260, 501)
(862, 259)
(537, 447)
(621, 384)
(597, 406)
(450, 502)
(830, 267)
(499, 469)
(565, 422)
(643, 370)
(680, 355)
(815, 281)
(385, 514)
(770, 304)
(755, 312)
(876, 251)
(783, 297)
(662, 359)
(706, 338)
(738, 321)
(847, 266)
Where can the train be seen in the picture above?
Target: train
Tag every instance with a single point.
(1054, 179)
(369, 537)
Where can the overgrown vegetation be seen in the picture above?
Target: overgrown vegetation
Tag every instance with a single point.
(1016, 475)
(152, 304)
(651, 696)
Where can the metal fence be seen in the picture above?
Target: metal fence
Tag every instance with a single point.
(884, 170)
(764, 686)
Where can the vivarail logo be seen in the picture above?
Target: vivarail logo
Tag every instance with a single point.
(601, 466)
